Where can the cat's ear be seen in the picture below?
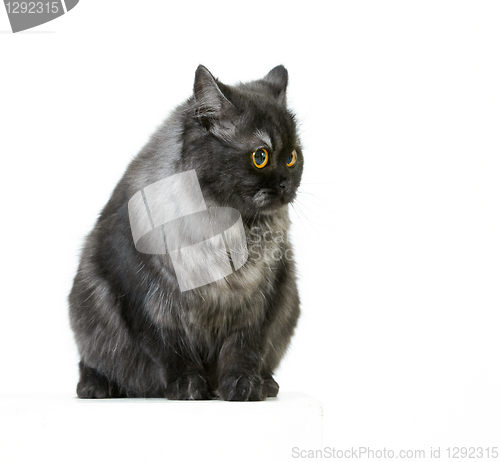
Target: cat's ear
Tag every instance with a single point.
(210, 101)
(278, 80)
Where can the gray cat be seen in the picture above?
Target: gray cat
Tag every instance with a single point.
(139, 334)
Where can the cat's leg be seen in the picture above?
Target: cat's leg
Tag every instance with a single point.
(238, 367)
(280, 324)
(190, 385)
(186, 377)
(94, 385)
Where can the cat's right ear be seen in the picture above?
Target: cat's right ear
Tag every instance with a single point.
(278, 80)
(210, 101)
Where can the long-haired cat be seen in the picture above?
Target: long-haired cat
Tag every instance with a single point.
(138, 332)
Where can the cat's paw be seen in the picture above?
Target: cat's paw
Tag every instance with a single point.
(95, 387)
(243, 387)
(272, 387)
(190, 386)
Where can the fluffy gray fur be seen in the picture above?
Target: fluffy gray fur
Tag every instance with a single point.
(137, 334)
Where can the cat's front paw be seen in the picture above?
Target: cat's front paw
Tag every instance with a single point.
(93, 385)
(190, 386)
(272, 387)
(93, 390)
(242, 387)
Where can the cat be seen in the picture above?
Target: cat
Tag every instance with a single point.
(138, 333)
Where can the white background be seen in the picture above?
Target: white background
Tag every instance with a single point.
(397, 233)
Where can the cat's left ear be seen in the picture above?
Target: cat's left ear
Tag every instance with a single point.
(213, 109)
(278, 80)
(209, 98)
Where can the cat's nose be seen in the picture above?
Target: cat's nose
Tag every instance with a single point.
(284, 185)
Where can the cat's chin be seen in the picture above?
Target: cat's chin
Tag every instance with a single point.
(267, 202)
(271, 206)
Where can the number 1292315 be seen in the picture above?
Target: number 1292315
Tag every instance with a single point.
(32, 7)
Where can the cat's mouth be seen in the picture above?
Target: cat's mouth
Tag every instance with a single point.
(269, 199)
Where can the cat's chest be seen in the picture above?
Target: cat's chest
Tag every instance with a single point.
(266, 248)
(241, 297)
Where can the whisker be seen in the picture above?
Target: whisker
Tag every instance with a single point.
(295, 206)
(317, 215)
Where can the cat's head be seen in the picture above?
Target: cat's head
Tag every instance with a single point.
(243, 142)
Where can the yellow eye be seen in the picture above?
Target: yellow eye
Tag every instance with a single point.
(260, 158)
(292, 158)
